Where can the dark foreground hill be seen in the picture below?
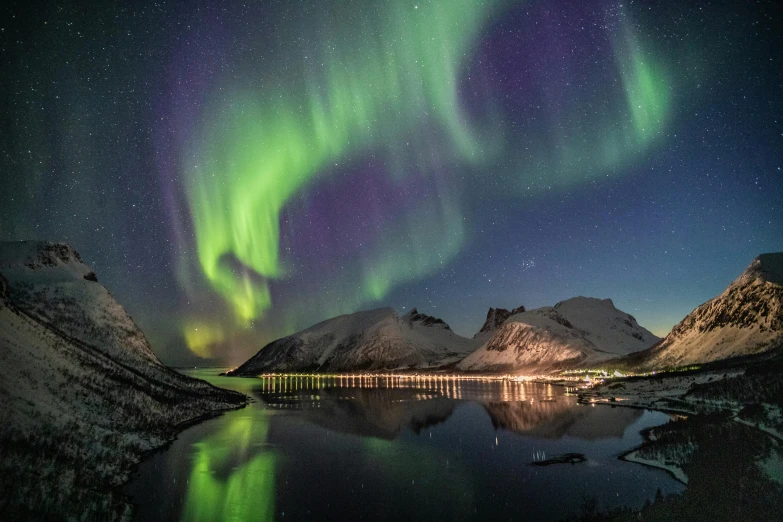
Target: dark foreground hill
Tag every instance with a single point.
(82, 395)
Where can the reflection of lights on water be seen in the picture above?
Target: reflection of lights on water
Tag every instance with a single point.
(423, 386)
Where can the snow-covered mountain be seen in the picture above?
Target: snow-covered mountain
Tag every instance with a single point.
(574, 332)
(81, 384)
(746, 319)
(50, 283)
(368, 340)
(609, 329)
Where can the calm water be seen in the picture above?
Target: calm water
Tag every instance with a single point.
(390, 449)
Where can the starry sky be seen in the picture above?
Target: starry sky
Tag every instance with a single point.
(237, 171)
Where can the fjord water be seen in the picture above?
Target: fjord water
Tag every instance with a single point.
(341, 448)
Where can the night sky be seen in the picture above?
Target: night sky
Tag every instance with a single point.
(238, 171)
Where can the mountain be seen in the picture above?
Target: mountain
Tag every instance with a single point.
(746, 319)
(81, 387)
(496, 317)
(574, 332)
(369, 340)
(607, 328)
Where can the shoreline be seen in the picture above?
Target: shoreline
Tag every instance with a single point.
(628, 456)
(176, 432)
(677, 473)
(672, 391)
(585, 396)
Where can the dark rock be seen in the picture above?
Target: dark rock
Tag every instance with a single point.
(496, 317)
(566, 458)
(426, 320)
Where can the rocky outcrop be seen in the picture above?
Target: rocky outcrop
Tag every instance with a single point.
(496, 317)
(425, 320)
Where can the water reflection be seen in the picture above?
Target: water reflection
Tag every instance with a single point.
(553, 419)
(441, 386)
(331, 447)
(382, 407)
(228, 465)
(372, 412)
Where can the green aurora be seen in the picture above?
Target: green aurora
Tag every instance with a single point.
(228, 465)
(390, 90)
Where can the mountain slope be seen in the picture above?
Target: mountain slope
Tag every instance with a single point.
(80, 386)
(574, 332)
(746, 319)
(368, 340)
(607, 328)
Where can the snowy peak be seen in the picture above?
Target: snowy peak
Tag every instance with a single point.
(425, 320)
(80, 386)
(42, 260)
(609, 329)
(50, 283)
(496, 317)
(539, 340)
(368, 340)
(577, 331)
(573, 332)
(766, 268)
(746, 319)
(581, 302)
(37, 254)
(343, 324)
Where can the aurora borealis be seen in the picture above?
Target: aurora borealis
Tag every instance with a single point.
(374, 91)
(238, 172)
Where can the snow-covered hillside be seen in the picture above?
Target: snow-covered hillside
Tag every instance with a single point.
(609, 329)
(49, 282)
(746, 319)
(368, 340)
(574, 332)
(80, 386)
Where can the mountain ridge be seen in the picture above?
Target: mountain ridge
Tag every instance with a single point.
(378, 339)
(745, 319)
(574, 332)
(496, 317)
